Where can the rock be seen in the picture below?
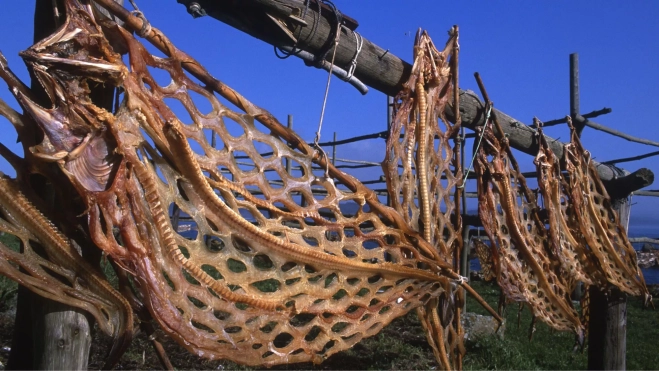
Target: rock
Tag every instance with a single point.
(654, 290)
(646, 259)
(647, 247)
(477, 326)
(475, 276)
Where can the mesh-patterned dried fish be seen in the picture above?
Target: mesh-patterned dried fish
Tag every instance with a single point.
(269, 279)
(49, 265)
(419, 167)
(598, 223)
(488, 260)
(576, 262)
(509, 217)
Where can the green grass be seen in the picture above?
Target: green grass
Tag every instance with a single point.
(642, 336)
(548, 350)
(552, 350)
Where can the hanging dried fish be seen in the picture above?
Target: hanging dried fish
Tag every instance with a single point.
(564, 242)
(509, 214)
(488, 260)
(421, 170)
(598, 223)
(278, 272)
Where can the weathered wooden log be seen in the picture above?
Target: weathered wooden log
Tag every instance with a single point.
(65, 340)
(376, 67)
(607, 337)
(522, 137)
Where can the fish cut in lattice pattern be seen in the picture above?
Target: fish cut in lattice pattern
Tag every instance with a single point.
(565, 243)
(488, 260)
(49, 265)
(509, 213)
(419, 162)
(269, 278)
(595, 220)
(421, 169)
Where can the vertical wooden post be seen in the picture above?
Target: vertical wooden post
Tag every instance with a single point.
(574, 92)
(574, 112)
(334, 150)
(390, 117)
(607, 337)
(289, 125)
(464, 264)
(62, 337)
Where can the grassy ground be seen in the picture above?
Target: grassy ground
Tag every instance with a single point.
(401, 345)
(549, 350)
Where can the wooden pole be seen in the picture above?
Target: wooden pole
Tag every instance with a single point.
(334, 150)
(464, 264)
(390, 118)
(574, 113)
(574, 91)
(607, 337)
(49, 335)
(62, 337)
(377, 67)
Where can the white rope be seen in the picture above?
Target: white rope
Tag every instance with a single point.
(461, 280)
(146, 26)
(359, 41)
(478, 146)
(322, 112)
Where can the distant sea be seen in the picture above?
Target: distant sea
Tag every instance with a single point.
(651, 275)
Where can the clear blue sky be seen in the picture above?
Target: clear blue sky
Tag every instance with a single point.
(520, 48)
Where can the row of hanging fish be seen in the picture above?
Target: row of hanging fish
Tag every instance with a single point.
(542, 247)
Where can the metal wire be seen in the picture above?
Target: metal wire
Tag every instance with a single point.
(329, 80)
(478, 145)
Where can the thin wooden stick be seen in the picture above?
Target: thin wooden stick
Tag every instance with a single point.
(482, 302)
(646, 193)
(616, 133)
(628, 159)
(590, 115)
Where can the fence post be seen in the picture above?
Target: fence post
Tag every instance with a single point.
(574, 92)
(390, 117)
(607, 337)
(464, 264)
(334, 150)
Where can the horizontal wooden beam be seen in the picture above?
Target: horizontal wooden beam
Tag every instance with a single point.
(378, 68)
(646, 193)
